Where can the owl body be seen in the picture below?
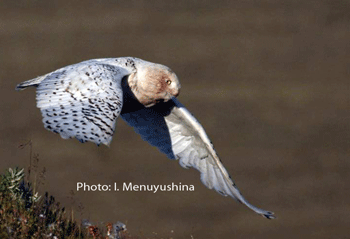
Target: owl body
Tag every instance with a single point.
(85, 100)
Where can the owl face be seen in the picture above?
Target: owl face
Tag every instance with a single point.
(154, 84)
(167, 85)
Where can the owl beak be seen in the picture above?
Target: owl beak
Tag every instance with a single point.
(176, 92)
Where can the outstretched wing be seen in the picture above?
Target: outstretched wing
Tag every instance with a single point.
(81, 101)
(170, 127)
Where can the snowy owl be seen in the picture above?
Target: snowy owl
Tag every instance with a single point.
(84, 101)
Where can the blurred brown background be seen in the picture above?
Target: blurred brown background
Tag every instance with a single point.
(268, 80)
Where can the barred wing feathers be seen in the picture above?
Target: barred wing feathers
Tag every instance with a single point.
(81, 100)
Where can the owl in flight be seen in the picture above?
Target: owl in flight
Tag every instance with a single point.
(84, 101)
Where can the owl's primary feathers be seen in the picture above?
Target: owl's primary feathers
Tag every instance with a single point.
(84, 101)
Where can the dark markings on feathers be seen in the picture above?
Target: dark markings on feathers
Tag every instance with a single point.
(72, 95)
(221, 192)
(109, 133)
(204, 157)
(92, 120)
(104, 122)
(111, 107)
(131, 63)
(101, 112)
(107, 116)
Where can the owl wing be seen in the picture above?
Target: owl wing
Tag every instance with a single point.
(174, 131)
(81, 101)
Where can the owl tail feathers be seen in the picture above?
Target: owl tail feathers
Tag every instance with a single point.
(33, 82)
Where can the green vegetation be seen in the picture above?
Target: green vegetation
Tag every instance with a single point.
(25, 214)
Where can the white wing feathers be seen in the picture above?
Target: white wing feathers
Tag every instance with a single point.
(81, 101)
(193, 148)
(84, 101)
(179, 135)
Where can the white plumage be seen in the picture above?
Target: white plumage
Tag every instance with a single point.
(84, 101)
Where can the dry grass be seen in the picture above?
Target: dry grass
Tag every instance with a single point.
(268, 80)
(25, 214)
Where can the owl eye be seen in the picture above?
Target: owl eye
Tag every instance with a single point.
(168, 82)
